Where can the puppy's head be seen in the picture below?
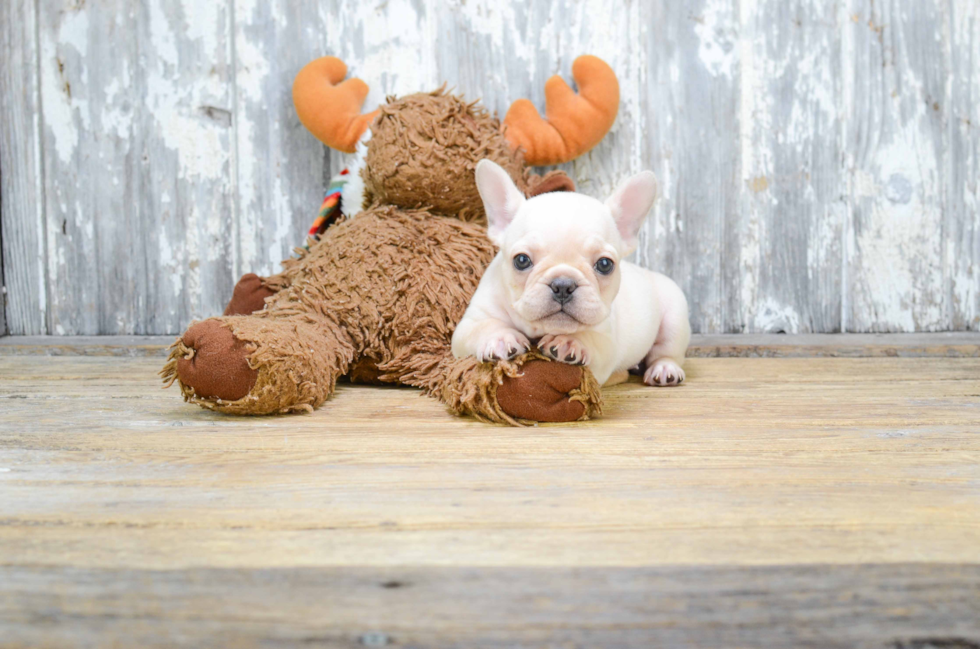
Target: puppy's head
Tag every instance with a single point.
(561, 252)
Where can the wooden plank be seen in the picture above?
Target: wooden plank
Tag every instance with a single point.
(24, 303)
(962, 225)
(894, 88)
(788, 235)
(950, 344)
(86, 345)
(187, 182)
(136, 133)
(908, 605)
(282, 169)
(691, 60)
(759, 461)
(797, 502)
(3, 293)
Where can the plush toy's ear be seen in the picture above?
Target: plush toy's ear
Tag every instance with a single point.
(553, 181)
(629, 205)
(501, 198)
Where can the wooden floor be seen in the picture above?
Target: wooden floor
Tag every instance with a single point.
(778, 502)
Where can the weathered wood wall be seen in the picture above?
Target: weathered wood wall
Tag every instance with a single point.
(819, 159)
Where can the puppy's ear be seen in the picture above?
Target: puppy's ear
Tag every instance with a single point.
(630, 203)
(501, 198)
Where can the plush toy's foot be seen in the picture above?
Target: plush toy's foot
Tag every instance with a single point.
(525, 390)
(253, 365)
(545, 391)
(249, 296)
(213, 363)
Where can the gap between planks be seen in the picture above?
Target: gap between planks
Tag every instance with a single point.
(917, 345)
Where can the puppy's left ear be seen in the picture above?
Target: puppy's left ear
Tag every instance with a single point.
(629, 205)
(501, 198)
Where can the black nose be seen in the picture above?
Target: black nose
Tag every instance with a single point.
(562, 289)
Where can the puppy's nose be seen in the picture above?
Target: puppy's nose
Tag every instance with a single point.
(562, 289)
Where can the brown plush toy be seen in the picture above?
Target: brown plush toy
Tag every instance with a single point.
(378, 296)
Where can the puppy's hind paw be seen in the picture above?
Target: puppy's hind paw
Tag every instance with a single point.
(664, 373)
(564, 349)
(503, 346)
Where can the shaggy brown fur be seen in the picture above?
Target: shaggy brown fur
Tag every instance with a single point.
(378, 297)
(423, 154)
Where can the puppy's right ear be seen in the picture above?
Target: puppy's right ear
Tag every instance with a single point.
(501, 198)
(629, 205)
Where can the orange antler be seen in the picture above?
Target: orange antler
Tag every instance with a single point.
(575, 123)
(331, 110)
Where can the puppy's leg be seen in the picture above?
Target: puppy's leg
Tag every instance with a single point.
(664, 361)
(567, 349)
(488, 340)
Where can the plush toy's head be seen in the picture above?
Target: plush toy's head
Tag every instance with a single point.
(423, 148)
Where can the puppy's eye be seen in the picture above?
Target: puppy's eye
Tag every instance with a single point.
(522, 262)
(605, 266)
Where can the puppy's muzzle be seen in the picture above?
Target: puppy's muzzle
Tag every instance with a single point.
(562, 289)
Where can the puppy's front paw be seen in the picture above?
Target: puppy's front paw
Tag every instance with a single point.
(565, 349)
(664, 372)
(502, 346)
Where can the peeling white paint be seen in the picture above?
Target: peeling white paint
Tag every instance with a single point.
(182, 124)
(779, 81)
(717, 29)
(772, 317)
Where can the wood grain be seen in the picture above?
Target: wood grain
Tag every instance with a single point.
(21, 210)
(895, 80)
(961, 223)
(281, 170)
(789, 228)
(139, 187)
(871, 607)
(692, 105)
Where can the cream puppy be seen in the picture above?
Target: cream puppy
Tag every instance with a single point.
(559, 283)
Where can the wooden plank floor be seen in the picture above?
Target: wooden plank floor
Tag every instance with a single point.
(824, 502)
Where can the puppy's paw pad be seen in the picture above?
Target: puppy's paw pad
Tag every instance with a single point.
(664, 373)
(564, 349)
(503, 346)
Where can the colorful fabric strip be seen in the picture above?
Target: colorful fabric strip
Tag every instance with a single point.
(329, 213)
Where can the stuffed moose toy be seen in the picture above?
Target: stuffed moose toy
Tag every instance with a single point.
(376, 298)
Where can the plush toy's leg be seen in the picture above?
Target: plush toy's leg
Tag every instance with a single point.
(256, 365)
(251, 291)
(249, 296)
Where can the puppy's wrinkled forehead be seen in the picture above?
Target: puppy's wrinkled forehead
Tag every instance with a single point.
(563, 217)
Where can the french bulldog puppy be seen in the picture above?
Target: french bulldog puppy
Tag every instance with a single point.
(559, 282)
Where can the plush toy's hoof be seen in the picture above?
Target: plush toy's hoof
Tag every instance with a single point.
(541, 392)
(218, 367)
(249, 296)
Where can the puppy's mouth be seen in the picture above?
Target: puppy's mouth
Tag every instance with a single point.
(561, 315)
